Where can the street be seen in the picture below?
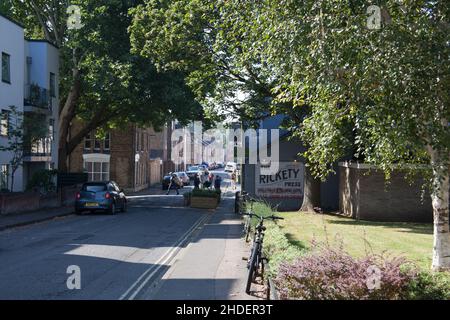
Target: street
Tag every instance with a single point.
(124, 256)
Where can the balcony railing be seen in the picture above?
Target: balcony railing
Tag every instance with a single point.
(37, 97)
(42, 148)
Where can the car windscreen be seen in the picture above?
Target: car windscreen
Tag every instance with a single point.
(193, 168)
(94, 187)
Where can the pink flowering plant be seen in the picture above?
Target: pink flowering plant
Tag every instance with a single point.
(328, 273)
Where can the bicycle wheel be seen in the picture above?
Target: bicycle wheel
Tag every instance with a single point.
(258, 265)
(252, 267)
(248, 228)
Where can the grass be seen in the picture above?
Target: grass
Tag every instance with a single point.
(411, 240)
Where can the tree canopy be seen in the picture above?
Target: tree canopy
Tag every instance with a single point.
(101, 81)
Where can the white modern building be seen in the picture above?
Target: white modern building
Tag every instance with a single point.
(29, 83)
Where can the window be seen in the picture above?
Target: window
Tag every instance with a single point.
(97, 187)
(51, 129)
(6, 68)
(97, 171)
(4, 176)
(138, 138)
(88, 142)
(52, 85)
(106, 142)
(96, 144)
(4, 123)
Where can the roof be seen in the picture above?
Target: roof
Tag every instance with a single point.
(11, 20)
(43, 40)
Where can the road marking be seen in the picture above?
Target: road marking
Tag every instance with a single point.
(156, 196)
(161, 262)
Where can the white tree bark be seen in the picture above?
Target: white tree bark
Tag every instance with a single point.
(440, 201)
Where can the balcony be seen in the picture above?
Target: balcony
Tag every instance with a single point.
(41, 151)
(37, 98)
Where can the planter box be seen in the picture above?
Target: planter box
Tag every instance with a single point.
(204, 202)
(187, 201)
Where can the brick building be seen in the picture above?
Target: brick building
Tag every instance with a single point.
(133, 157)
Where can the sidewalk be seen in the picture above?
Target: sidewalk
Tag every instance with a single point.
(22, 219)
(211, 266)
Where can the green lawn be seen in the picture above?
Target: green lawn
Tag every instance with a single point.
(412, 240)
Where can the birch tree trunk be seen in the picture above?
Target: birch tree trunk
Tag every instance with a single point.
(440, 202)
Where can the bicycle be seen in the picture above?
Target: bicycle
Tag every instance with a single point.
(248, 221)
(257, 260)
(242, 210)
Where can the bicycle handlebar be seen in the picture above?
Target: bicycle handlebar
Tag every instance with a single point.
(272, 217)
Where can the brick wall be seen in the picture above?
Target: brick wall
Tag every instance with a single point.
(364, 195)
(21, 202)
(122, 157)
(125, 144)
(12, 203)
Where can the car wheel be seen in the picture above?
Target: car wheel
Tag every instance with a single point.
(124, 207)
(78, 212)
(112, 209)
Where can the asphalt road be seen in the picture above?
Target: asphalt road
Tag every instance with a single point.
(118, 256)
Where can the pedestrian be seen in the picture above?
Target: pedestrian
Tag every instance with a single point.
(197, 181)
(233, 180)
(205, 180)
(175, 182)
(211, 179)
(217, 182)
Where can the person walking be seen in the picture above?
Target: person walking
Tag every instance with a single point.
(233, 180)
(197, 181)
(174, 182)
(217, 182)
(205, 180)
(211, 180)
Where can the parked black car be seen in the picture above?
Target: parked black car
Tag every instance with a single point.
(105, 196)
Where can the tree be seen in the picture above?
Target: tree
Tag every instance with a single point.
(23, 133)
(101, 82)
(389, 85)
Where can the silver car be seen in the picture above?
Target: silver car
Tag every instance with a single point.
(184, 178)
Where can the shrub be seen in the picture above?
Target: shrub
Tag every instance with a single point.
(429, 286)
(205, 193)
(43, 180)
(332, 274)
(278, 249)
